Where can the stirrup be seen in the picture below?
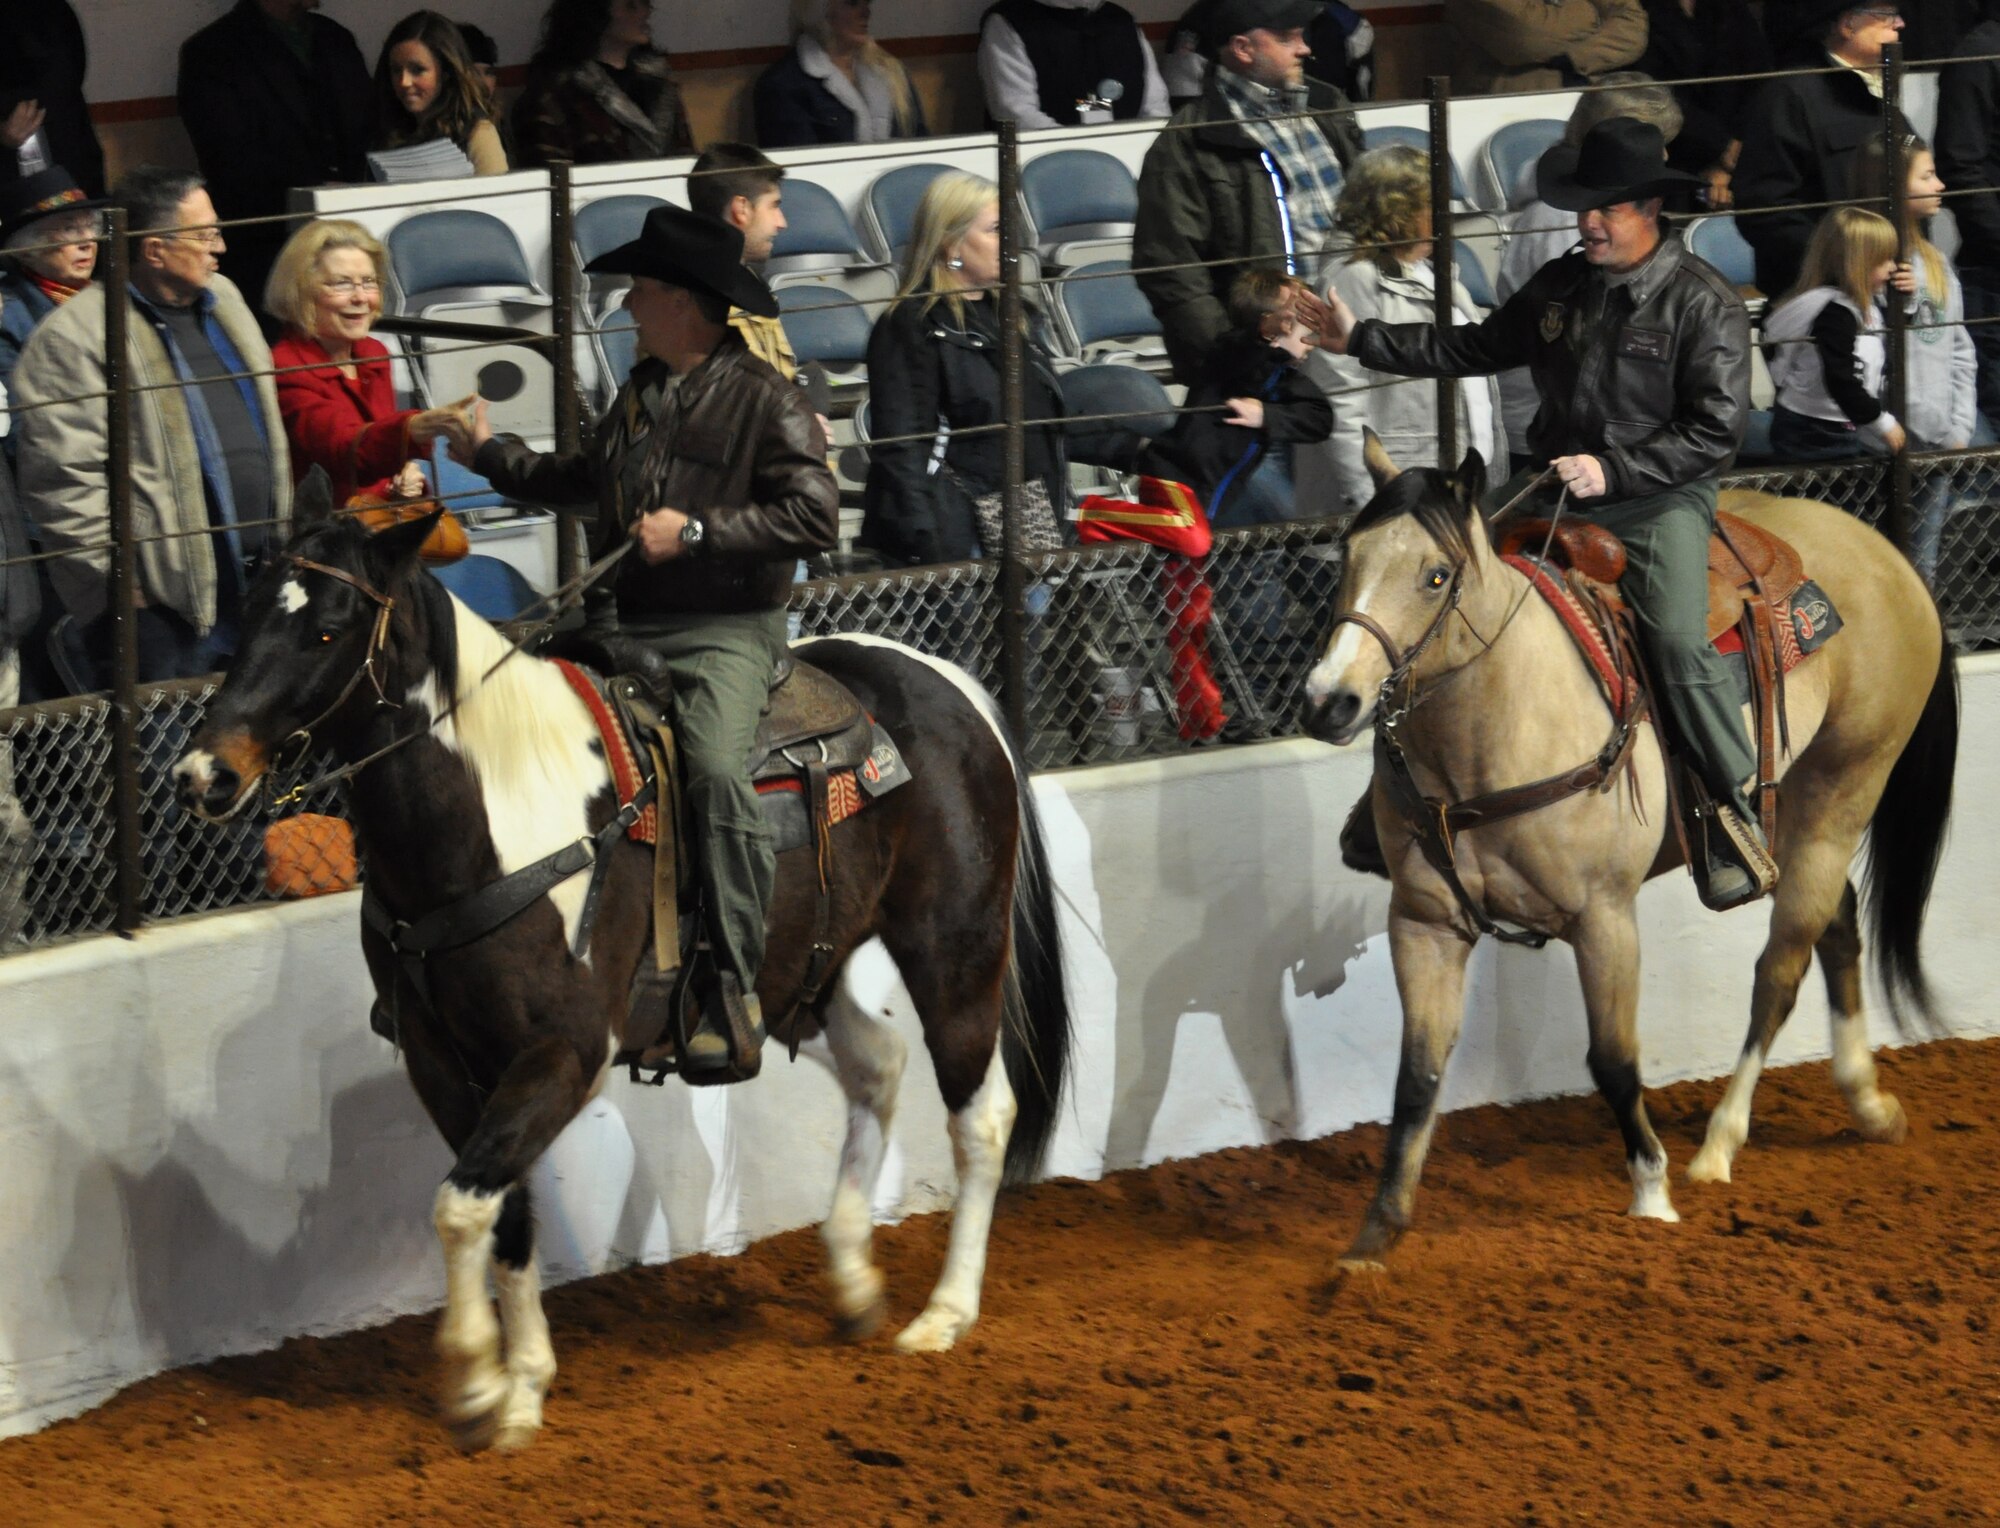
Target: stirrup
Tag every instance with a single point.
(727, 1044)
(1738, 867)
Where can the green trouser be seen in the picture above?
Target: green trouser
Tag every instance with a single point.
(721, 666)
(1666, 584)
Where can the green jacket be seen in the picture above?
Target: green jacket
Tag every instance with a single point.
(1204, 195)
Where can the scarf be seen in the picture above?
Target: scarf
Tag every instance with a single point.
(57, 292)
(1296, 152)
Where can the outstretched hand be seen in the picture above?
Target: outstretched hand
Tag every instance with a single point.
(22, 123)
(1330, 317)
(471, 431)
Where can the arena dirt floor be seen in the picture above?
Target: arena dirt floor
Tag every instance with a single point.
(1812, 1345)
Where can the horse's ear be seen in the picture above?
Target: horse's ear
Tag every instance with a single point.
(1376, 459)
(312, 501)
(1470, 481)
(399, 545)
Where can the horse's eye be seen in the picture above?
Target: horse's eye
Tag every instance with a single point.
(1437, 578)
(328, 634)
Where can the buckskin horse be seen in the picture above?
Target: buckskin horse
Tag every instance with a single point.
(492, 763)
(1483, 690)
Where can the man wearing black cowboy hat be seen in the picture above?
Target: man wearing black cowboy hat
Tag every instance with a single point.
(716, 466)
(1641, 355)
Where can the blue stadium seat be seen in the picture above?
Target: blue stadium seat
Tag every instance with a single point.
(1504, 161)
(1114, 389)
(1104, 305)
(460, 487)
(1416, 138)
(825, 324)
(817, 234)
(454, 250)
(609, 222)
(891, 206)
(1078, 194)
(1720, 242)
(617, 346)
(497, 590)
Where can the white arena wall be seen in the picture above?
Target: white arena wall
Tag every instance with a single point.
(207, 1151)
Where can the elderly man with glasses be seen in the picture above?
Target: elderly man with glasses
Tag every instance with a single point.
(211, 476)
(1803, 132)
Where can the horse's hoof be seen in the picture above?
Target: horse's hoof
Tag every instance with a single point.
(859, 1326)
(1655, 1208)
(1885, 1125)
(1356, 1266)
(474, 1412)
(935, 1331)
(1710, 1165)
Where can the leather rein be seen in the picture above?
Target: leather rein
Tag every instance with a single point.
(1435, 822)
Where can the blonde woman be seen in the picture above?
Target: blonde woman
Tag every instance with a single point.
(1824, 345)
(326, 289)
(934, 373)
(1385, 207)
(837, 85)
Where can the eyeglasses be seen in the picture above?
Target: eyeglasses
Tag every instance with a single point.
(347, 286)
(207, 238)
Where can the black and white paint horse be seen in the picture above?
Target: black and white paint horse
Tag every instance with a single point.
(347, 637)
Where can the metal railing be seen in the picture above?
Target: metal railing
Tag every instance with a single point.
(1097, 654)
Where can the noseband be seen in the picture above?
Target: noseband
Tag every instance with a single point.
(1401, 661)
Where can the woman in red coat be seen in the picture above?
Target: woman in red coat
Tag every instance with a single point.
(326, 289)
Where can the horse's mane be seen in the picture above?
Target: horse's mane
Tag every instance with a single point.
(1428, 495)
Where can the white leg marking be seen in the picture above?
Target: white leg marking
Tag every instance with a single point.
(1729, 1125)
(292, 595)
(868, 1058)
(468, 1339)
(530, 744)
(1877, 1115)
(531, 1356)
(1650, 1200)
(979, 1134)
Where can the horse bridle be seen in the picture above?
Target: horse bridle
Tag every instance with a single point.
(298, 744)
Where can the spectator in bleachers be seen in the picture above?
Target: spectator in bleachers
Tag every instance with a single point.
(1932, 28)
(836, 85)
(1055, 63)
(1823, 342)
(326, 291)
(1529, 45)
(208, 445)
(1270, 403)
(1385, 206)
(1208, 192)
(1538, 233)
(44, 120)
(1968, 159)
(934, 372)
(1695, 40)
(426, 88)
(1341, 38)
(745, 189)
(48, 248)
(485, 55)
(598, 91)
(1802, 133)
(273, 96)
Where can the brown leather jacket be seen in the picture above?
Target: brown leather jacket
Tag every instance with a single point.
(734, 445)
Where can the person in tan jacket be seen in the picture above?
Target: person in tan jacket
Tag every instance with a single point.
(1527, 45)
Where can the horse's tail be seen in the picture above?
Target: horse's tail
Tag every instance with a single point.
(1034, 1019)
(1905, 840)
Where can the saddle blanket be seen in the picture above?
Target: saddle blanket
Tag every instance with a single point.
(1809, 621)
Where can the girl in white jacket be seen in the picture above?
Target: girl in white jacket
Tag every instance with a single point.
(1824, 345)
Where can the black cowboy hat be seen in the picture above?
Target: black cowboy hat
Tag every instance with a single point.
(1621, 159)
(692, 250)
(45, 194)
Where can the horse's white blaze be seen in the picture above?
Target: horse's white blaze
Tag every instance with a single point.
(961, 681)
(468, 1339)
(1729, 1125)
(1348, 644)
(528, 740)
(292, 596)
(868, 1058)
(531, 1356)
(1650, 1200)
(979, 1134)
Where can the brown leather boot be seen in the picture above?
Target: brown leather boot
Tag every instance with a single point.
(728, 1042)
(1360, 848)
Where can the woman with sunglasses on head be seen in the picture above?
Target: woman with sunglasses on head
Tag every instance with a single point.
(340, 413)
(427, 87)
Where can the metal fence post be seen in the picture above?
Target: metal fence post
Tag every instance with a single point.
(563, 281)
(128, 880)
(1898, 394)
(1013, 572)
(1442, 251)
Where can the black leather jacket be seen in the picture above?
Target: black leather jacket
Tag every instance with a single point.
(1652, 378)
